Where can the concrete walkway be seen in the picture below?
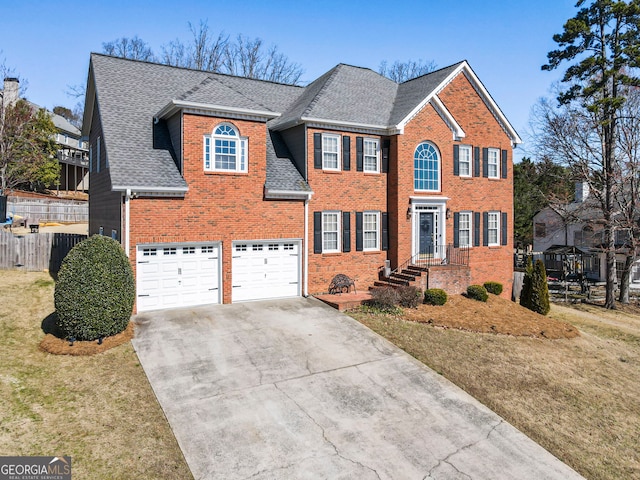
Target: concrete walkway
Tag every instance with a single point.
(293, 389)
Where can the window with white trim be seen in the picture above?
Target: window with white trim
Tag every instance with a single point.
(493, 162)
(330, 232)
(493, 228)
(98, 155)
(371, 231)
(465, 229)
(225, 150)
(371, 155)
(464, 160)
(330, 151)
(426, 168)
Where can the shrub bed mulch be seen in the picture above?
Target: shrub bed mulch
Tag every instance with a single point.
(497, 315)
(59, 346)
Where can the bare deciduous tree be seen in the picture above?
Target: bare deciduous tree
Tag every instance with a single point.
(402, 71)
(132, 48)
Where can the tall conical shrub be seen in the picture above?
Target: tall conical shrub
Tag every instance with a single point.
(539, 290)
(525, 293)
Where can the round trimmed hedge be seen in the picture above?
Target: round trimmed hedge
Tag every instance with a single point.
(477, 292)
(435, 296)
(95, 290)
(493, 287)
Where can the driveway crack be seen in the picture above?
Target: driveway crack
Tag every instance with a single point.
(324, 434)
(464, 447)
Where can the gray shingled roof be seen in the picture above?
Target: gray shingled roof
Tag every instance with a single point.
(412, 92)
(345, 94)
(282, 175)
(129, 93)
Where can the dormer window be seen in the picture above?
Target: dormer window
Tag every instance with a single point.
(225, 150)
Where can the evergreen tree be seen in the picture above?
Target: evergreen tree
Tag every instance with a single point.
(525, 293)
(539, 301)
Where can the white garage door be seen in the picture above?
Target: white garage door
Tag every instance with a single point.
(262, 270)
(177, 275)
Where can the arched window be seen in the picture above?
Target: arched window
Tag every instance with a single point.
(426, 168)
(225, 150)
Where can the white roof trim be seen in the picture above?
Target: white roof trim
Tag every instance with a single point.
(482, 91)
(174, 105)
(351, 126)
(156, 191)
(286, 194)
(445, 114)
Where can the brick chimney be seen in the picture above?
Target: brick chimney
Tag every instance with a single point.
(11, 91)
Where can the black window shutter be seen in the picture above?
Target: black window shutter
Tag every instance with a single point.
(476, 162)
(346, 152)
(385, 231)
(317, 232)
(386, 145)
(456, 229)
(485, 162)
(456, 160)
(359, 233)
(359, 165)
(504, 164)
(503, 227)
(346, 231)
(476, 229)
(317, 150)
(485, 228)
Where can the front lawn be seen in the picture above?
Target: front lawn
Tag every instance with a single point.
(577, 396)
(100, 410)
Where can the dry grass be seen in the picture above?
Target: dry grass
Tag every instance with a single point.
(579, 397)
(98, 409)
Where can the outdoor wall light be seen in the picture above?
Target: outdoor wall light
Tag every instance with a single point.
(448, 213)
(409, 213)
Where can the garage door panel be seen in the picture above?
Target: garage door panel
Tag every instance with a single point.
(265, 270)
(177, 276)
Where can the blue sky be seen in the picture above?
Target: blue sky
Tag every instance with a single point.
(505, 42)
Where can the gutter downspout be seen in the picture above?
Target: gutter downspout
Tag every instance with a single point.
(127, 221)
(306, 248)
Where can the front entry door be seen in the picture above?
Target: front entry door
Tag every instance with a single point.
(425, 232)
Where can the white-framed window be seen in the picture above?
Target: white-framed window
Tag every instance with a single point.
(371, 231)
(330, 151)
(330, 232)
(493, 162)
(465, 230)
(225, 150)
(371, 155)
(493, 228)
(464, 160)
(426, 168)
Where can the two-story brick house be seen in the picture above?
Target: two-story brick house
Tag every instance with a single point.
(225, 189)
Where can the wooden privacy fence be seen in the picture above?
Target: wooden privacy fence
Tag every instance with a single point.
(46, 210)
(36, 251)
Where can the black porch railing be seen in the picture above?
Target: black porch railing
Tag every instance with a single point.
(438, 255)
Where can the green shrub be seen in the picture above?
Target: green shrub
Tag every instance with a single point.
(539, 290)
(477, 292)
(493, 287)
(435, 296)
(385, 299)
(408, 296)
(95, 290)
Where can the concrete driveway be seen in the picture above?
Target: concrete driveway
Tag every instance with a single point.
(294, 389)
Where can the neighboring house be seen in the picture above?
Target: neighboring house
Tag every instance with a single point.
(73, 151)
(577, 224)
(225, 189)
